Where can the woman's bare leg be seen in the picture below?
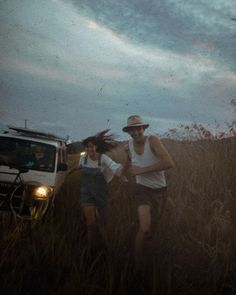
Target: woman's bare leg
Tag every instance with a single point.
(102, 216)
(89, 212)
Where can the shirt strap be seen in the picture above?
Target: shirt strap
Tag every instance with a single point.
(99, 160)
(85, 159)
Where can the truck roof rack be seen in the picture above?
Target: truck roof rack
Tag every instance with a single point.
(36, 134)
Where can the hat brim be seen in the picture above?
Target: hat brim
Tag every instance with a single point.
(126, 128)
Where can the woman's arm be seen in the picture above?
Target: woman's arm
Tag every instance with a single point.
(119, 171)
(117, 168)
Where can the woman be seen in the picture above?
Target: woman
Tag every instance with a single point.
(97, 169)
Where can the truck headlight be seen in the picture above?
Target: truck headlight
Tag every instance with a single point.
(42, 192)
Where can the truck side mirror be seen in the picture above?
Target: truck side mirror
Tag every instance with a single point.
(62, 167)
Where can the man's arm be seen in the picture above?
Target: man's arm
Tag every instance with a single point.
(158, 149)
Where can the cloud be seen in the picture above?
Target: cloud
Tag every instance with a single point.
(57, 1)
(109, 55)
(40, 71)
(172, 25)
(160, 124)
(92, 25)
(99, 59)
(212, 14)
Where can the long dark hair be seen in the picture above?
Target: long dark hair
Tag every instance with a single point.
(104, 142)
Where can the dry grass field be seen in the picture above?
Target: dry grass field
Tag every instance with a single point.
(194, 250)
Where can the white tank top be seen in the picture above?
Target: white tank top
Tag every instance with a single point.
(150, 179)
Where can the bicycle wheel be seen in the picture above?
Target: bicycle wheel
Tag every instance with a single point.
(27, 208)
(18, 204)
(39, 208)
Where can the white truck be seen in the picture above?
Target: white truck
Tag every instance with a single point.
(33, 166)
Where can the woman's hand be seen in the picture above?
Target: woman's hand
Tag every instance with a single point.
(120, 171)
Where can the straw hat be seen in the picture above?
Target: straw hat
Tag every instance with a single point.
(134, 121)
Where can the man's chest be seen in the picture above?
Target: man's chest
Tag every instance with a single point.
(139, 149)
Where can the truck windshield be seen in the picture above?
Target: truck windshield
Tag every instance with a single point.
(31, 154)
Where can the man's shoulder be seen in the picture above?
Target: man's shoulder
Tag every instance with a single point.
(154, 140)
(153, 137)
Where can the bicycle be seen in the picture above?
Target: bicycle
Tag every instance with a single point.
(18, 197)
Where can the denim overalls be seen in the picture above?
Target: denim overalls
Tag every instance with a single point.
(93, 189)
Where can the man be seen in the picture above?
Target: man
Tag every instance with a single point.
(43, 159)
(148, 160)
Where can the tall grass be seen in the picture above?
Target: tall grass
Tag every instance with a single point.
(194, 247)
